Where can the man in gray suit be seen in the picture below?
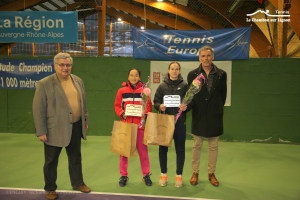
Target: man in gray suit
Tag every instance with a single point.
(61, 120)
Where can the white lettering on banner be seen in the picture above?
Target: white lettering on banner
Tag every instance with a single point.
(172, 100)
(26, 68)
(18, 74)
(2, 82)
(260, 20)
(283, 20)
(7, 68)
(35, 34)
(134, 110)
(12, 82)
(6, 23)
(270, 18)
(28, 83)
(54, 35)
(178, 40)
(13, 35)
(174, 49)
(34, 68)
(37, 24)
(267, 20)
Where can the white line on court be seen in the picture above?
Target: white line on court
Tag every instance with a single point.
(105, 193)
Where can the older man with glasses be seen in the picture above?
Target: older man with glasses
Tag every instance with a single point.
(61, 120)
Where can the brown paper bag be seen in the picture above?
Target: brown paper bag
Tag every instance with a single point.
(123, 140)
(159, 129)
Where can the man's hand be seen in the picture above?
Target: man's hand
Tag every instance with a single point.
(43, 138)
(182, 107)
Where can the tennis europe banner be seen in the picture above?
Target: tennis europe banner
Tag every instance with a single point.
(228, 44)
(41, 26)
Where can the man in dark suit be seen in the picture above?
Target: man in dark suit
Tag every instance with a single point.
(61, 120)
(207, 112)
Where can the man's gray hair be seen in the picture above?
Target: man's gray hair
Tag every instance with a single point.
(204, 48)
(62, 56)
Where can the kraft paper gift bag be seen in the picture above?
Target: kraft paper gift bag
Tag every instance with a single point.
(123, 140)
(159, 129)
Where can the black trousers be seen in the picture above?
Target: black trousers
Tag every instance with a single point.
(74, 158)
(179, 140)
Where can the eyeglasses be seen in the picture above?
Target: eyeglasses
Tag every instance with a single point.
(62, 65)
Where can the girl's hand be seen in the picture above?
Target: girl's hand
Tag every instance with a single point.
(162, 107)
(123, 116)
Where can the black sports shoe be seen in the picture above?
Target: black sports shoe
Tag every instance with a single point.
(123, 181)
(147, 180)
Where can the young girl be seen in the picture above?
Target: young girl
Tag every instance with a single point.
(173, 84)
(130, 93)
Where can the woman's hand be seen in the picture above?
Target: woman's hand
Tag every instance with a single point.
(162, 107)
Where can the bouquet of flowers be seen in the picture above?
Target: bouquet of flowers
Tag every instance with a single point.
(194, 88)
(145, 94)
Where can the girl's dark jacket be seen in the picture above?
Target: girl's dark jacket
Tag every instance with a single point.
(208, 108)
(171, 87)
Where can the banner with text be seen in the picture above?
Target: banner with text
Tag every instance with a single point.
(228, 44)
(18, 74)
(41, 26)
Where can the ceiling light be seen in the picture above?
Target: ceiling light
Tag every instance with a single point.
(49, 5)
(39, 8)
(59, 3)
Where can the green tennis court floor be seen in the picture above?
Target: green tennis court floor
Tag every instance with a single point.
(245, 170)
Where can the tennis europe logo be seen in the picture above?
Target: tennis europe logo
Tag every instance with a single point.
(279, 16)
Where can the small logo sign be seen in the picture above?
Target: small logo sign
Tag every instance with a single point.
(146, 43)
(238, 42)
(156, 77)
(279, 16)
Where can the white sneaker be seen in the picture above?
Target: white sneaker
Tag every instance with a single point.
(178, 181)
(163, 180)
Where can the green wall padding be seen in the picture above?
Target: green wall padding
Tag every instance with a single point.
(103, 77)
(264, 103)
(3, 110)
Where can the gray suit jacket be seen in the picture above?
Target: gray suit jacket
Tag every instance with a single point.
(52, 113)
